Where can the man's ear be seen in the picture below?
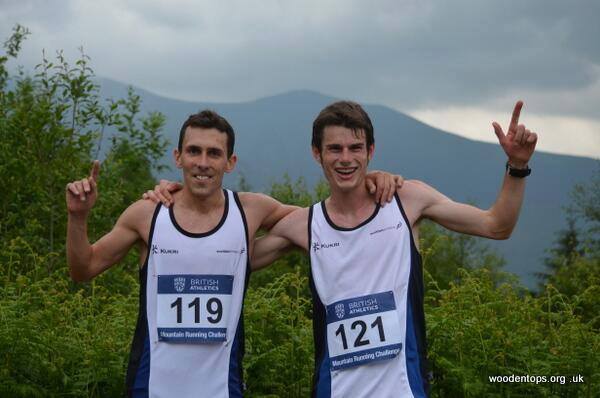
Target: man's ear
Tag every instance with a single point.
(370, 152)
(231, 162)
(177, 158)
(316, 152)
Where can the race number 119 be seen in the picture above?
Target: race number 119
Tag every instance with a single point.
(214, 307)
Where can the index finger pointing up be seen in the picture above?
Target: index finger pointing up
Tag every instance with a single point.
(515, 116)
(95, 170)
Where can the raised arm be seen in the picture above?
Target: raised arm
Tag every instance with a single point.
(499, 220)
(86, 260)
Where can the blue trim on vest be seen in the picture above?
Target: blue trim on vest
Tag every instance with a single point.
(413, 365)
(321, 387)
(415, 298)
(142, 377)
(324, 385)
(140, 346)
(235, 370)
(236, 357)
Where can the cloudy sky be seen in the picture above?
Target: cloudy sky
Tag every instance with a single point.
(457, 65)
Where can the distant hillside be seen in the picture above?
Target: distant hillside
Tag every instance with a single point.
(273, 137)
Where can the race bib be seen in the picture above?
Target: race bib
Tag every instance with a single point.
(193, 309)
(363, 329)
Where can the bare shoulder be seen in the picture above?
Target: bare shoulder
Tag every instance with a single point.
(418, 190)
(416, 197)
(254, 199)
(411, 190)
(257, 206)
(138, 216)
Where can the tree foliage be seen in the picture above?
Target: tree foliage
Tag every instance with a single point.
(446, 253)
(56, 337)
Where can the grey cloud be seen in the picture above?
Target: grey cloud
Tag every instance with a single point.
(406, 53)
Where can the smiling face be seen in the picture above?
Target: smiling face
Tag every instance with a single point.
(203, 160)
(344, 156)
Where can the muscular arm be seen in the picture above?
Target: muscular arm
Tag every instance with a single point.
(291, 231)
(499, 220)
(88, 260)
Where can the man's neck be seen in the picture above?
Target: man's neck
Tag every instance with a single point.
(201, 204)
(353, 202)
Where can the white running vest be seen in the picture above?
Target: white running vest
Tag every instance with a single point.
(189, 339)
(368, 306)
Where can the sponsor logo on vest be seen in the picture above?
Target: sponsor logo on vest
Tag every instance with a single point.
(222, 251)
(339, 310)
(179, 283)
(397, 226)
(317, 245)
(158, 250)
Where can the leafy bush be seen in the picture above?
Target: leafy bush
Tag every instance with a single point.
(476, 330)
(55, 341)
(279, 349)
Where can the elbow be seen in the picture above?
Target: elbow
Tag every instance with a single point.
(78, 274)
(498, 228)
(500, 233)
(77, 277)
(500, 236)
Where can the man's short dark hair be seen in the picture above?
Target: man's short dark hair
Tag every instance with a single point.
(208, 119)
(345, 114)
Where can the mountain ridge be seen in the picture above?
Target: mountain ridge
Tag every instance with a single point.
(273, 138)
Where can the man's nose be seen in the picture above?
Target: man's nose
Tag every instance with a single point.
(345, 156)
(202, 161)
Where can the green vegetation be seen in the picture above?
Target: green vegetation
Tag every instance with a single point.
(58, 338)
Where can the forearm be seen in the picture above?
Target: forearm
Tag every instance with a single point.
(280, 213)
(268, 249)
(505, 211)
(79, 249)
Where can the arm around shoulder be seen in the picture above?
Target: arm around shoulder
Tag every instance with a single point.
(291, 231)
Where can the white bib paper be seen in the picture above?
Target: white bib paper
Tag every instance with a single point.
(193, 309)
(363, 329)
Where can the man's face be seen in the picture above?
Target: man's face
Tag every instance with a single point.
(344, 157)
(203, 160)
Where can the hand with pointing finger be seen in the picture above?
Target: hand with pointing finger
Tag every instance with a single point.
(81, 194)
(518, 142)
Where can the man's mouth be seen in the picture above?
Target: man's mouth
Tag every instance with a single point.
(345, 172)
(202, 177)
